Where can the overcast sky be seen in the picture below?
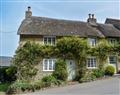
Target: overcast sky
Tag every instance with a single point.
(12, 12)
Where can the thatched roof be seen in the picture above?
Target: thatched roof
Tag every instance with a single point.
(115, 22)
(58, 27)
(108, 30)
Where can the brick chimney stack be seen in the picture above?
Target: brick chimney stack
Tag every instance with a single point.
(92, 20)
(28, 13)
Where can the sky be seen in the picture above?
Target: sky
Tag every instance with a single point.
(12, 12)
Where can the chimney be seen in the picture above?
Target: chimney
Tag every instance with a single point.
(89, 15)
(28, 13)
(93, 16)
(91, 20)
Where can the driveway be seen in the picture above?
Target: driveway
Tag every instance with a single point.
(110, 86)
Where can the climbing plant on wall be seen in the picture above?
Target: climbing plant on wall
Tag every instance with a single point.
(75, 48)
(30, 54)
(25, 59)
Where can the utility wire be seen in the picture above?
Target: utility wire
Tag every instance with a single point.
(9, 32)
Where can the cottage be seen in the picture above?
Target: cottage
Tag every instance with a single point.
(45, 30)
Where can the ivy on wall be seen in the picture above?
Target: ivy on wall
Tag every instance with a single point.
(30, 54)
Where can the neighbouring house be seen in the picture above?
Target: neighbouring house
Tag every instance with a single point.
(45, 30)
(5, 61)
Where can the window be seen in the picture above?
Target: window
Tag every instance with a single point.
(112, 59)
(91, 62)
(49, 64)
(49, 40)
(92, 41)
(112, 41)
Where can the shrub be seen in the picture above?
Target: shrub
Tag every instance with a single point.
(110, 70)
(20, 86)
(8, 74)
(98, 73)
(38, 84)
(60, 72)
(89, 76)
(49, 81)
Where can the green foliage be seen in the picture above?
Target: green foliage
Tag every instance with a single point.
(28, 55)
(20, 86)
(116, 49)
(110, 70)
(48, 80)
(25, 60)
(48, 51)
(4, 87)
(71, 47)
(8, 74)
(88, 76)
(76, 48)
(98, 73)
(39, 84)
(101, 51)
(60, 72)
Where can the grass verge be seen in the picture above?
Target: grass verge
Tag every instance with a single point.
(4, 87)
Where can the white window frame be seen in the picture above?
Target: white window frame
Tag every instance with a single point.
(110, 60)
(91, 42)
(48, 64)
(51, 37)
(94, 66)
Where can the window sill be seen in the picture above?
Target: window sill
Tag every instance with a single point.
(92, 68)
(48, 70)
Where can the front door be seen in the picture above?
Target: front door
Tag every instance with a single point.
(71, 68)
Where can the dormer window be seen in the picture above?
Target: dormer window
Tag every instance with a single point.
(92, 42)
(49, 40)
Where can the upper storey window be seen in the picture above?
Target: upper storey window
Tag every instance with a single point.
(112, 41)
(49, 40)
(92, 42)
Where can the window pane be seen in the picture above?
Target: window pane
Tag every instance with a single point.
(45, 64)
(49, 41)
(91, 62)
(50, 64)
(112, 59)
(54, 64)
(92, 41)
(45, 40)
(53, 41)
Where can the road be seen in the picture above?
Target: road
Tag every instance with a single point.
(110, 86)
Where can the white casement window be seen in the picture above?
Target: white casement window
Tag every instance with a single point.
(112, 59)
(49, 40)
(112, 41)
(91, 62)
(49, 64)
(92, 41)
